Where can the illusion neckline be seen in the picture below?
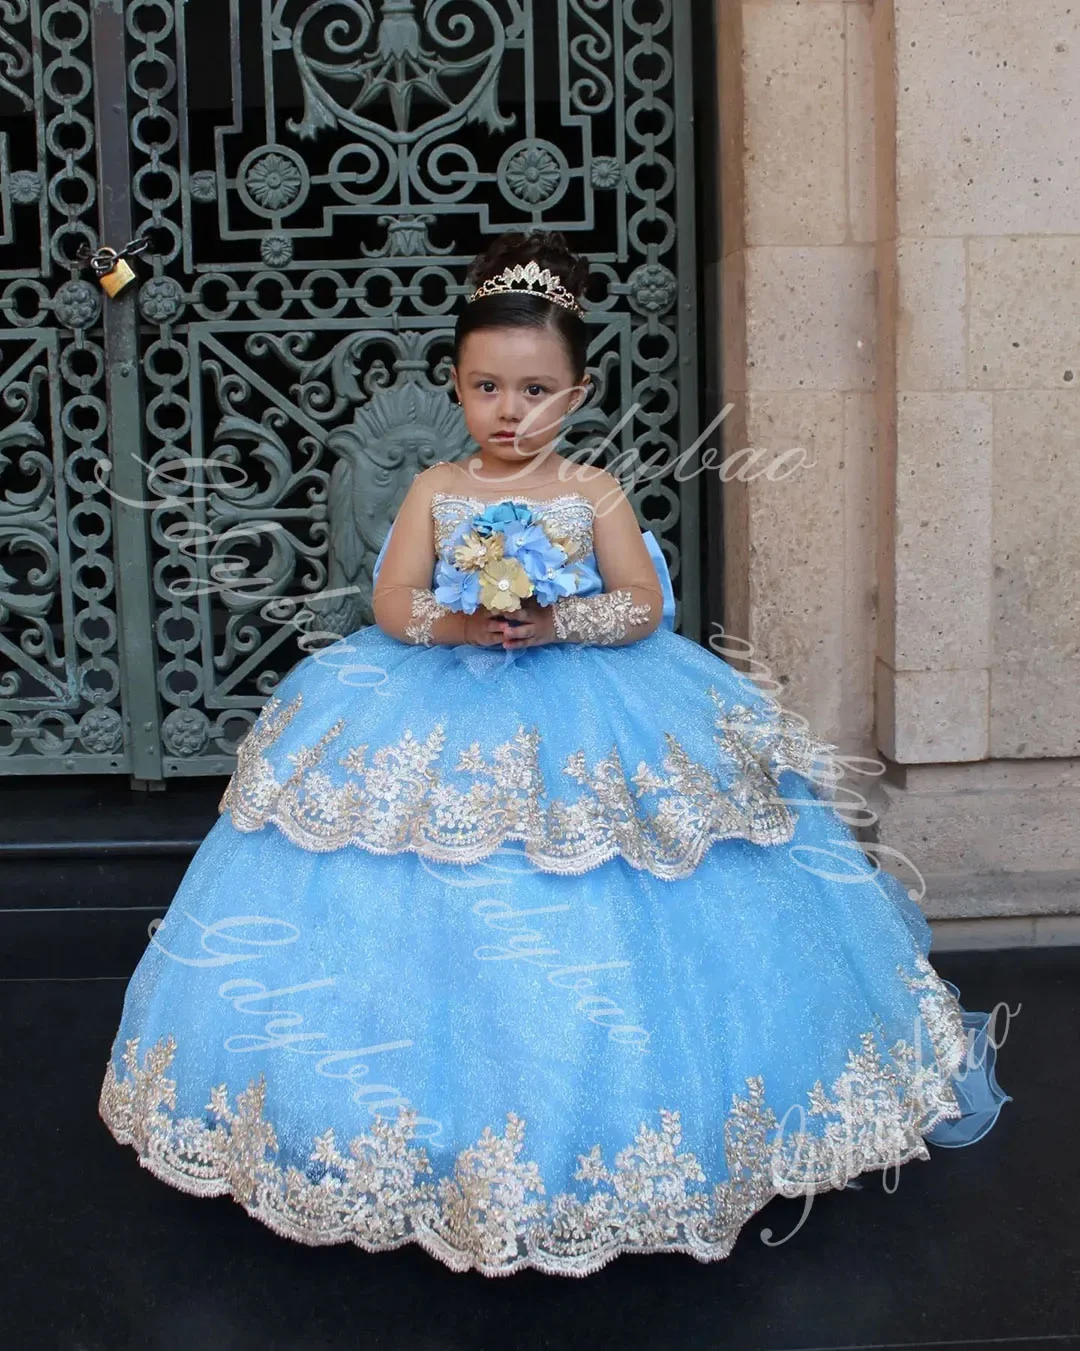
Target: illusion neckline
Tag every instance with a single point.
(515, 497)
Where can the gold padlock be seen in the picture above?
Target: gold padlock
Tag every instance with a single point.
(119, 276)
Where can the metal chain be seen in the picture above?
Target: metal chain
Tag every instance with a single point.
(104, 259)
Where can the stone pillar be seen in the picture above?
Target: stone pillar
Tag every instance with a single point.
(798, 305)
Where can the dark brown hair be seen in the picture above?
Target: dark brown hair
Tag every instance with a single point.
(524, 309)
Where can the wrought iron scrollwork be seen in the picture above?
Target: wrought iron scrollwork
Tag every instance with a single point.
(294, 314)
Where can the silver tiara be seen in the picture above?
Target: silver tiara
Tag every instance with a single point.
(530, 277)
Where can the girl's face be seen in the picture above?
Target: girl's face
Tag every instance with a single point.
(515, 381)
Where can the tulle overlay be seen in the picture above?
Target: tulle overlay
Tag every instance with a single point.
(534, 962)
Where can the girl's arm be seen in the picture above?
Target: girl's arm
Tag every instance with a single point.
(632, 602)
(404, 603)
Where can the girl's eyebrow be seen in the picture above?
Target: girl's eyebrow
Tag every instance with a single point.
(488, 376)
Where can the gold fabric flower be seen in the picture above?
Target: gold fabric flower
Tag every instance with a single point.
(474, 552)
(503, 585)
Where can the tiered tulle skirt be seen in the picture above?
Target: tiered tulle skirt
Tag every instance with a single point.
(534, 962)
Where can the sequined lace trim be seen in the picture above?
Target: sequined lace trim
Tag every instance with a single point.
(598, 619)
(425, 609)
(492, 1211)
(401, 799)
(568, 517)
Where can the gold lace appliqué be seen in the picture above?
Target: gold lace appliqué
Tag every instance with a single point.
(399, 798)
(425, 609)
(598, 619)
(492, 1211)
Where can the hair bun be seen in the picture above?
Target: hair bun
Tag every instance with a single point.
(548, 248)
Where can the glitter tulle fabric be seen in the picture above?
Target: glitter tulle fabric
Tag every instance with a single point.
(533, 959)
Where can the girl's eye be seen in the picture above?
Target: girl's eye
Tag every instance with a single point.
(539, 389)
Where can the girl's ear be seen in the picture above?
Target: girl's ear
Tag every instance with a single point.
(581, 393)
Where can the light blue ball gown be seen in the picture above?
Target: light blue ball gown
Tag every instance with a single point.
(535, 957)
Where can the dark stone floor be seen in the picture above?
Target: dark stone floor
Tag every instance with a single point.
(976, 1247)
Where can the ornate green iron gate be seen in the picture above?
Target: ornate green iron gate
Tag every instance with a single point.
(195, 476)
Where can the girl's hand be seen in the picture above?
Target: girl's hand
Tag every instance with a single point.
(535, 626)
(483, 628)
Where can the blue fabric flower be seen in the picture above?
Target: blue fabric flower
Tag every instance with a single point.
(556, 584)
(460, 590)
(530, 545)
(498, 515)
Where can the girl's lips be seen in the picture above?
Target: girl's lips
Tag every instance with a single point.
(503, 436)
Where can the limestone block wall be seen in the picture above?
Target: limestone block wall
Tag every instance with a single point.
(979, 641)
(899, 288)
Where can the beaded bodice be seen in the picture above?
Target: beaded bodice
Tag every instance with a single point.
(569, 517)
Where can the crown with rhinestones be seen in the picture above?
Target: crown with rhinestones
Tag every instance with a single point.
(533, 278)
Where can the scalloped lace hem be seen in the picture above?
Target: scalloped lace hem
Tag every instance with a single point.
(400, 798)
(492, 1213)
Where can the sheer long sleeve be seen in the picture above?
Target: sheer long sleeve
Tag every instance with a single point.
(404, 603)
(631, 605)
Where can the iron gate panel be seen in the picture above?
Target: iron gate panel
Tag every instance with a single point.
(62, 696)
(314, 179)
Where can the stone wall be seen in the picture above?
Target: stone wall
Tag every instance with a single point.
(900, 294)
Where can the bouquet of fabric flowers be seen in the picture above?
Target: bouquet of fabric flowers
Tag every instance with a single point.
(500, 557)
